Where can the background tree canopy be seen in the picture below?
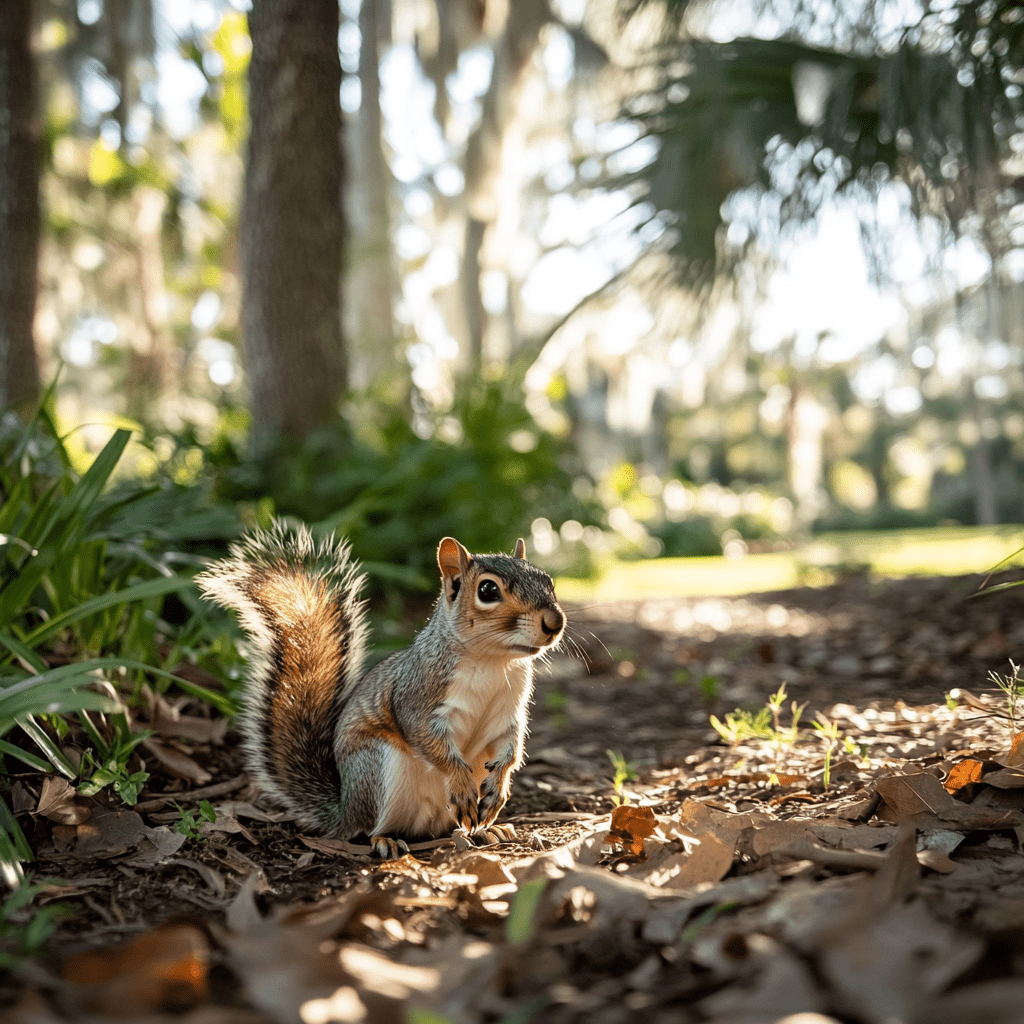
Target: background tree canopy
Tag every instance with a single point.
(665, 275)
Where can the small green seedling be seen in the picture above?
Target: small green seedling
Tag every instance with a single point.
(828, 733)
(625, 771)
(784, 737)
(740, 725)
(112, 744)
(521, 924)
(188, 824)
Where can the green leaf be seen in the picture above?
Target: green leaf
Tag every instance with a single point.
(42, 925)
(225, 705)
(423, 1015)
(207, 811)
(88, 489)
(99, 744)
(53, 691)
(101, 777)
(128, 788)
(520, 926)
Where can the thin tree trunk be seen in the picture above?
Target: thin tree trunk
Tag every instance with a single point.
(981, 460)
(371, 332)
(526, 19)
(19, 206)
(292, 223)
(472, 301)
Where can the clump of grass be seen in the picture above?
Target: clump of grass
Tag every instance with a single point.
(85, 568)
(1012, 686)
(763, 724)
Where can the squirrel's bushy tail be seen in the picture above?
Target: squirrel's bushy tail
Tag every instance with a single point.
(299, 602)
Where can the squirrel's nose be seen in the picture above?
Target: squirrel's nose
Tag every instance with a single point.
(552, 621)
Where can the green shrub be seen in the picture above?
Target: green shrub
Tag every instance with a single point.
(396, 499)
(82, 591)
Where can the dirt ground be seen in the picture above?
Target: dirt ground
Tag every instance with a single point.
(866, 869)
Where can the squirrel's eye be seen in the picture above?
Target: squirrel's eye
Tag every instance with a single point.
(488, 591)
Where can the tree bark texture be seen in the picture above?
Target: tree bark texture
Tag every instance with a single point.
(19, 206)
(293, 228)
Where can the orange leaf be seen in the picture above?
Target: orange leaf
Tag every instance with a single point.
(783, 779)
(1016, 754)
(164, 969)
(963, 773)
(631, 825)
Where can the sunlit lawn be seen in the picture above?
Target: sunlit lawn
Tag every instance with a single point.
(944, 551)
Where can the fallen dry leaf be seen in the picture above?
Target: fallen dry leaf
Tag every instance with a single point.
(891, 966)
(631, 825)
(963, 773)
(58, 802)
(164, 969)
(176, 762)
(109, 834)
(920, 796)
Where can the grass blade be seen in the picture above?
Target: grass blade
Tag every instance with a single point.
(53, 753)
(138, 592)
(29, 659)
(9, 824)
(24, 756)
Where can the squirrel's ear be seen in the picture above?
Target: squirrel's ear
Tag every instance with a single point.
(520, 551)
(453, 560)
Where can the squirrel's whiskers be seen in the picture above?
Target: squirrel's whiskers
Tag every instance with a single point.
(424, 742)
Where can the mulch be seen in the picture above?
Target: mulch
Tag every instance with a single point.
(862, 866)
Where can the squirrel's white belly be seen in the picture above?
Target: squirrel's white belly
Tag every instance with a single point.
(418, 797)
(483, 704)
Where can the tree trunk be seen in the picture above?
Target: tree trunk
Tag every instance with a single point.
(526, 19)
(19, 206)
(981, 460)
(292, 224)
(370, 316)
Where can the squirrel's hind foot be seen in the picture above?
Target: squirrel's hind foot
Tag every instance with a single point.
(388, 848)
(499, 833)
(489, 836)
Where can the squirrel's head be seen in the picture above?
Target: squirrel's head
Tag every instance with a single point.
(499, 605)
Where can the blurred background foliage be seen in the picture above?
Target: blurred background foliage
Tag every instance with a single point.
(638, 277)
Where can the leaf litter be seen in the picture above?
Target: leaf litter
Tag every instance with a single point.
(866, 870)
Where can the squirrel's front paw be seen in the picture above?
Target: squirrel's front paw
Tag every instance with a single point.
(464, 802)
(493, 796)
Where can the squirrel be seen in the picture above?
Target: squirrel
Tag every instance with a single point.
(427, 740)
